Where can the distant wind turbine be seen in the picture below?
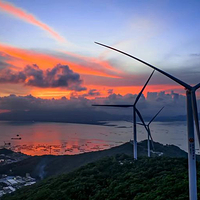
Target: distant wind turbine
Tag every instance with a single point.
(147, 127)
(134, 115)
(191, 112)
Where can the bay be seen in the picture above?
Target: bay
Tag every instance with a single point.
(39, 138)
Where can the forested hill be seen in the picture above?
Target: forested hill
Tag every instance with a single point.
(116, 178)
(45, 166)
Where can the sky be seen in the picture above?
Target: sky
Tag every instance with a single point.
(47, 51)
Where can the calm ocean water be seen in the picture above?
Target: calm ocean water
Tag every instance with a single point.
(67, 138)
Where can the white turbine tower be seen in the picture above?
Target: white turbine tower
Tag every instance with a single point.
(134, 116)
(191, 112)
(147, 127)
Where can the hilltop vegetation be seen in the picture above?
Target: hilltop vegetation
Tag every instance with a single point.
(118, 177)
(46, 166)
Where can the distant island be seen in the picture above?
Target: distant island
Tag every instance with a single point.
(88, 116)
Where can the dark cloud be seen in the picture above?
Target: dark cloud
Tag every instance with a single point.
(90, 93)
(195, 54)
(110, 91)
(175, 104)
(29, 108)
(93, 92)
(32, 75)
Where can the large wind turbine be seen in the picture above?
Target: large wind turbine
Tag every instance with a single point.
(148, 129)
(134, 116)
(191, 112)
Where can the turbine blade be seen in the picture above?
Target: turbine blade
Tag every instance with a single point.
(197, 86)
(195, 113)
(155, 115)
(138, 96)
(157, 69)
(125, 106)
(141, 119)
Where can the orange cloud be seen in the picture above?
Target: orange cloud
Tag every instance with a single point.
(24, 57)
(89, 68)
(105, 64)
(22, 14)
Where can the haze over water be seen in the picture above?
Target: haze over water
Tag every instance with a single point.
(66, 138)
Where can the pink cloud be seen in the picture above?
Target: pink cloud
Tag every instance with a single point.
(22, 14)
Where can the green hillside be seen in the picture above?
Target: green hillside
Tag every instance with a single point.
(115, 178)
(46, 166)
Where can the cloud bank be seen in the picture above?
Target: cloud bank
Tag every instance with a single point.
(29, 108)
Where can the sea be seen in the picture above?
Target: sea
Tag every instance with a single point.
(41, 138)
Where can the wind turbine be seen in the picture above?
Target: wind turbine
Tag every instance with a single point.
(191, 112)
(134, 115)
(147, 127)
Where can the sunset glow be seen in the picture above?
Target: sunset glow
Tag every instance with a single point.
(82, 81)
(69, 64)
